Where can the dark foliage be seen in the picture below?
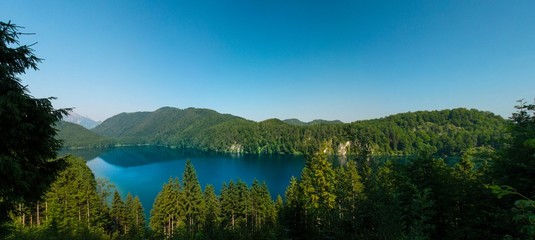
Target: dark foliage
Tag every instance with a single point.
(27, 133)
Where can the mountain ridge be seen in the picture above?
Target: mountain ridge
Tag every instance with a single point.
(447, 132)
(83, 121)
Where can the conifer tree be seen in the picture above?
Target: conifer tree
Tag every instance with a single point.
(229, 205)
(318, 186)
(192, 201)
(166, 212)
(348, 189)
(212, 211)
(73, 200)
(118, 214)
(139, 217)
(28, 145)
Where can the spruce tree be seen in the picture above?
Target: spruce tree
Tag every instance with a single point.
(192, 201)
(73, 200)
(166, 214)
(212, 211)
(118, 214)
(28, 145)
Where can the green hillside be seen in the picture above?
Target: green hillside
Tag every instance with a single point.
(446, 132)
(297, 122)
(76, 136)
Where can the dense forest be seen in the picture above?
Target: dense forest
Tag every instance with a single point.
(488, 194)
(446, 132)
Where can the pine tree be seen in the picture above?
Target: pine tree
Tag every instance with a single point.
(166, 212)
(28, 145)
(212, 211)
(318, 186)
(348, 189)
(135, 218)
(73, 201)
(293, 211)
(192, 199)
(118, 214)
(229, 205)
(139, 217)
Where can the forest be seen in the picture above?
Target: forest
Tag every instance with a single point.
(488, 194)
(448, 132)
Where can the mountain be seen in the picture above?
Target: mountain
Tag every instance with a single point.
(80, 120)
(445, 132)
(163, 126)
(76, 136)
(297, 122)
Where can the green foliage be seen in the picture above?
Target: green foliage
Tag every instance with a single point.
(75, 136)
(118, 214)
(27, 143)
(191, 200)
(212, 213)
(421, 197)
(446, 132)
(166, 212)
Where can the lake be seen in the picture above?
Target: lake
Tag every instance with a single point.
(142, 171)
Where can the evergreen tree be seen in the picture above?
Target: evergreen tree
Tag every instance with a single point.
(212, 212)
(229, 205)
(318, 186)
(293, 212)
(166, 217)
(118, 214)
(139, 217)
(27, 133)
(349, 190)
(135, 218)
(73, 204)
(192, 201)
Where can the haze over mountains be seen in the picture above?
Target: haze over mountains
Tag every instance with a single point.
(446, 132)
(84, 121)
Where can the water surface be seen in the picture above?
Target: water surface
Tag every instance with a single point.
(142, 171)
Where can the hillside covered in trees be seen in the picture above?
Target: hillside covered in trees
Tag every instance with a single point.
(487, 194)
(73, 135)
(447, 132)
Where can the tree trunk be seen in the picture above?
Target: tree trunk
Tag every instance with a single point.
(21, 214)
(88, 214)
(137, 219)
(38, 217)
(232, 220)
(46, 210)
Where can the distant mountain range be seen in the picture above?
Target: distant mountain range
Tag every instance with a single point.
(446, 132)
(81, 120)
(297, 122)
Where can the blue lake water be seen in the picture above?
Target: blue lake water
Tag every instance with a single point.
(142, 171)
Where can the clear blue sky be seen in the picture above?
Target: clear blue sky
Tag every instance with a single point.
(346, 60)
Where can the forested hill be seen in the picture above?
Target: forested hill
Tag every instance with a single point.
(297, 122)
(446, 132)
(167, 126)
(74, 135)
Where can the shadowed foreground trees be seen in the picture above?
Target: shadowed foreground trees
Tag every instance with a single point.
(27, 135)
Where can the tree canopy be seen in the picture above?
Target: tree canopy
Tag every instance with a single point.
(28, 145)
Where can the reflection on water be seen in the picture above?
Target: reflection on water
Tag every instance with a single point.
(143, 170)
